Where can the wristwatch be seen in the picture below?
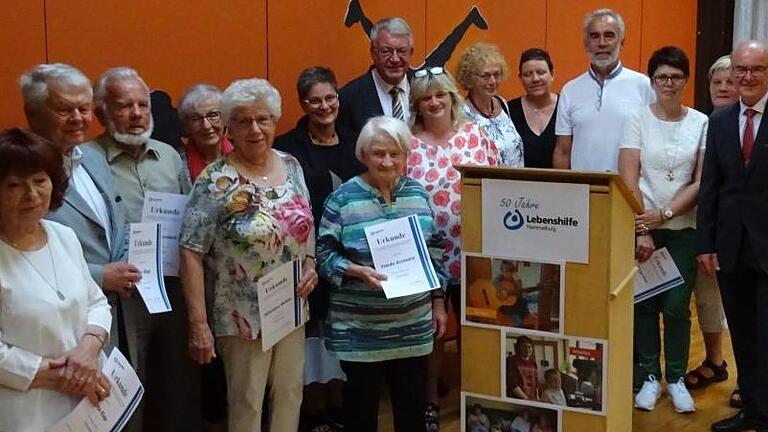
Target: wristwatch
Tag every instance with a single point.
(667, 213)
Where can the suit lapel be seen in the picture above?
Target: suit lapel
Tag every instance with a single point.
(759, 150)
(73, 198)
(373, 94)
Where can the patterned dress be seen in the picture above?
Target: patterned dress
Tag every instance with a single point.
(503, 133)
(250, 230)
(432, 166)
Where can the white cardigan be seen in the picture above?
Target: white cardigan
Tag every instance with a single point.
(35, 323)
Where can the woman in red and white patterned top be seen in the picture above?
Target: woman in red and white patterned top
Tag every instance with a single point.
(444, 137)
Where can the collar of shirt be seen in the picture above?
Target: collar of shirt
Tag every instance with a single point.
(759, 106)
(614, 73)
(76, 158)
(113, 149)
(386, 87)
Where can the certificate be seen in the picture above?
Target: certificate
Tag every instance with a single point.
(656, 275)
(400, 252)
(281, 311)
(145, 252)
(112, 413)
(167, 209)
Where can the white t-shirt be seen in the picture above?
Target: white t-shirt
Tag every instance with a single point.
(594, 116)
(665, 146)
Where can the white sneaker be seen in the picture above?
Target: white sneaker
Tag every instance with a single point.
(681, 399)
(646, 398)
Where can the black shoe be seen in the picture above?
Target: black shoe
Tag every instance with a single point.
(737, 423)
(477, 19)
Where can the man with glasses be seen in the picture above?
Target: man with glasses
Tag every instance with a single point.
(383, 89)
(58, 103)
(592, 107)
(139, 165)
(732, 235)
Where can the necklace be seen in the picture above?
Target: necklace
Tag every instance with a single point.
(264, 176)
(483, 113)
(55, 285)
(675, 132)
(540, 111)
(333, 139)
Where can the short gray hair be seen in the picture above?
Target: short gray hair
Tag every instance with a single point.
(246, 92)
(34, 82)
(604, 12)
(383, 126)
(723, 63)
(115, 74)
(195, 95)
(396, 26)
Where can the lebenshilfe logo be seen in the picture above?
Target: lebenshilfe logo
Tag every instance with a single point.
(514, 219)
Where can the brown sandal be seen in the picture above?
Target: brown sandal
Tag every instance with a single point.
(695, 379)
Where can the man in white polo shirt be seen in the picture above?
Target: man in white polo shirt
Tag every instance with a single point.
(592, 107)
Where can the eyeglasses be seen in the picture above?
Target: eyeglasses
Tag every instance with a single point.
(435, 70)
(486, 76)
(246, 122)
(757, 71)
(389, 52)
(663, 79)
(317, 102)
(213, 117)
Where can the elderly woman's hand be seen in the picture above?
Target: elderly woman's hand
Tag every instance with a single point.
(83, 367)
(200, 343)
(367, 275)
(98, 390)
(309, 278)
(439, 317)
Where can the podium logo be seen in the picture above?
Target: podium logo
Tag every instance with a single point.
(513, 220)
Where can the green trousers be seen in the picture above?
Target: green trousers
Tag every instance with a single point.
(674, 306)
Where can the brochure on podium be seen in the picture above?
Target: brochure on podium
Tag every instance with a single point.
(400, 252)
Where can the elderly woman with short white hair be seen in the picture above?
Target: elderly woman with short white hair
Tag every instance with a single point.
(204, 139)
(375, 337)
(249, 209)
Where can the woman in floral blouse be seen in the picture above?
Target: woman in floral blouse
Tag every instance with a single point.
(250, 210)
(444, 137)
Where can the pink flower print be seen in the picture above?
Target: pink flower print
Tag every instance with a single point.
(441, 198)
(452, 174)
(473, 141)
(417, 172)
(296, 218)
(455, 269)
(431, 152)
(243, 326)
(442, 162)
(414, 159)
(456, 207)
(455, 158)
(457, 187)
(432, 175)
(459, 142)
(441, 219)
(456, 231)
(480, 156)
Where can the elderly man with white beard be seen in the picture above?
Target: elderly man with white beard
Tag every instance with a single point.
(592, 107)
(139, 165)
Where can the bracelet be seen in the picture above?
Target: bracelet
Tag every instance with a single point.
(97, 336)
(438, 293)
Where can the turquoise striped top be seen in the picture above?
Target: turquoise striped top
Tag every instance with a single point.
(362, 324)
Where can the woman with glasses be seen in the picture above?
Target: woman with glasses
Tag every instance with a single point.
(534, 113)
(660, 160)
(326, 152)
(204, 139)
(443, 136)
(249, 209)
(480, 71)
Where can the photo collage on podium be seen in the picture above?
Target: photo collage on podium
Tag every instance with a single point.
(544, 371)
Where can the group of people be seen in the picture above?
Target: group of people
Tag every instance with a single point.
(382, 147)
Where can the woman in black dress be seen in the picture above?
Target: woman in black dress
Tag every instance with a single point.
(534, 114)
(326, 152)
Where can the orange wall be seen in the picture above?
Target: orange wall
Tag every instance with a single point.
(175, 44)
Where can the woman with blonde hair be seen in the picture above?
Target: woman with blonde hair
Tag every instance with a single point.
(443, 137)
(480, 71)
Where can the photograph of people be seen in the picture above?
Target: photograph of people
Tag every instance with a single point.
(513, 293)
(492, 415)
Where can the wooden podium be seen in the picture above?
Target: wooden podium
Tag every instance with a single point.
(598, 299)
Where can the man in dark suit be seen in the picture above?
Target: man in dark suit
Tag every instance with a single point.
(383, 89)
(732, 233)
(58, 102)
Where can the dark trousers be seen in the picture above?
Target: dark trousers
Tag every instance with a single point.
(744, 290)
(406, 380)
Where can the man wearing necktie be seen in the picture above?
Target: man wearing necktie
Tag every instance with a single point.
(732, 233)
(383, 89)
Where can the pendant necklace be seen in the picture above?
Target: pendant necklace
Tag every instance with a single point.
(483, 113)
(54, 286)
(671, 164)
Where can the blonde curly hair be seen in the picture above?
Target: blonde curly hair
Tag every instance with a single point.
(476, 57)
